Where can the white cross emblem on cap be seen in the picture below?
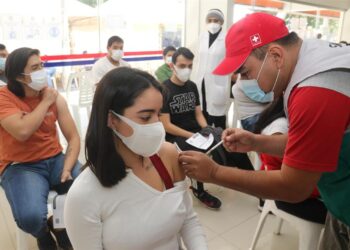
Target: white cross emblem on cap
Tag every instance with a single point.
(255, 39)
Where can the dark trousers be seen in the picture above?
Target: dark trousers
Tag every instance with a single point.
(310, 209)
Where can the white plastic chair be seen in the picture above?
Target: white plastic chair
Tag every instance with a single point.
(21, 237)
(309, 232)
(86, 90)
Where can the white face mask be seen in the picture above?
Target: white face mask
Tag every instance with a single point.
(252, 89)
(117, 54)
(168, 59)
(39, 79)
(213, 27)
(146, 139)
(183, 74)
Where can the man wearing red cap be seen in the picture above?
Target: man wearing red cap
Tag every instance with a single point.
(314, 78)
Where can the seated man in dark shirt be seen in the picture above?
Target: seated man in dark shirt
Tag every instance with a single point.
(182, 116)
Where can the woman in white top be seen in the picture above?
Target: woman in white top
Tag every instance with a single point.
(120, 201)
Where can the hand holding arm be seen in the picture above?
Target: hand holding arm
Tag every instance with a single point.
(288, 184)
(22, 125)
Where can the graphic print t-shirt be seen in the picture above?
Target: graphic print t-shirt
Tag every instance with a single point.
(180, 103)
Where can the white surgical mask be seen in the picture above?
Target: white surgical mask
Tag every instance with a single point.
(213, 28)
(146, 139)
(39, 79)
(168, 59)
(2, 63)
(183, 74)
(117, 54)
(252, 89)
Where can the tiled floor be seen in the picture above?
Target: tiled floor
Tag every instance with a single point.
(230, 228)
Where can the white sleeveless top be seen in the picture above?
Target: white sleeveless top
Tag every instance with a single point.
(130, 216)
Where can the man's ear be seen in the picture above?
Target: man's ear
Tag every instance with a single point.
(278, 54)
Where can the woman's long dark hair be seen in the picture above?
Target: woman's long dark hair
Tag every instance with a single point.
(273, 111)
(117, 91)
(15, 64)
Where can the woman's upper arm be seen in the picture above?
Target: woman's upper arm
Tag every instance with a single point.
(82, 220)
(65, 120)
(12, 123)
(178, 171)
(10, 116)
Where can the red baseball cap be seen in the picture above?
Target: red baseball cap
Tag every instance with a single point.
(253, 31)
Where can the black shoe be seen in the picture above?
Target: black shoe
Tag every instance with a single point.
(206, 198)
(46, 242)
(60, 235)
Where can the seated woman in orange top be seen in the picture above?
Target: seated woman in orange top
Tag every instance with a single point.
(31, 158)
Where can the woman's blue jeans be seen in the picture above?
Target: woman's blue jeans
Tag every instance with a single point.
(27, 186)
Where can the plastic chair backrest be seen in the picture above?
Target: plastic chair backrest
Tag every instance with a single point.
(86, 88)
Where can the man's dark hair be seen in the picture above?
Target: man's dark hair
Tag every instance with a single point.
(15, 64)
(114, 39)
(116, 91)
(167, 49)
(185, 52)
(2, 47)
(289, 40)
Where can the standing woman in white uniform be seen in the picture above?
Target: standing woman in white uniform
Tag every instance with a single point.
(214, 90)
(125, 198)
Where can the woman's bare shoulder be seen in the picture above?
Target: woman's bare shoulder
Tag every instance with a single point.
(169, 156)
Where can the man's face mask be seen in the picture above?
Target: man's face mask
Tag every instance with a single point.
(183, 74)
(168, 59)
(145, 140)
(252, 89)
(117, 54)
(39, 79)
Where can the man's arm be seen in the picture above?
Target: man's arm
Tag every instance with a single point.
(70, 132)
(288, 184)
(200, 117)
(239, 140)
(172, 129)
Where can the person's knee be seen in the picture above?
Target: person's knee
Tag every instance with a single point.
(32, 222)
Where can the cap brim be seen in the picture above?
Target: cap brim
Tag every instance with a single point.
(231, 64)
